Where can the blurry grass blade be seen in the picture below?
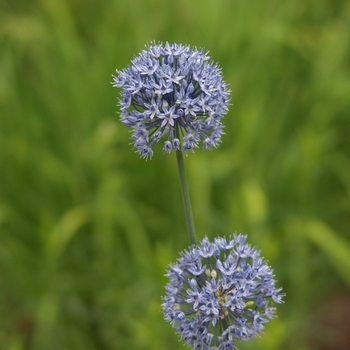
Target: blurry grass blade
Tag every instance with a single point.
(65, 230)
(47, 314)
(337, 249)
(255, 200)
(136, 236)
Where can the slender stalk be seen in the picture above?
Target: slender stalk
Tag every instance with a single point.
(186, 198)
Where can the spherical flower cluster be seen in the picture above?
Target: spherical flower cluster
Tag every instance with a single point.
(173, 91)
(219, 292)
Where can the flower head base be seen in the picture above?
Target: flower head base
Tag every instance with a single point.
(176, 91)
(219, 292)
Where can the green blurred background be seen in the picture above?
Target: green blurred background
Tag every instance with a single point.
(87, 227)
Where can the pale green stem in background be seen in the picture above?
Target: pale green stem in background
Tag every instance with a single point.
(186, 198)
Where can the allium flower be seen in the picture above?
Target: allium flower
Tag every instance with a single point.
(219, 292)
(173, 91)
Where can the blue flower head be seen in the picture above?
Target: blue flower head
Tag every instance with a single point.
(219, 292)
(173, 91)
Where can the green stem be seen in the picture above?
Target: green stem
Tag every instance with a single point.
(186, 198)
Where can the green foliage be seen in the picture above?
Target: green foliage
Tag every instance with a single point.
(87, 228)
